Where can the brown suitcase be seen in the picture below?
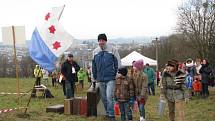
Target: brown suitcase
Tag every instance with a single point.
(93, 98)
(76, 106)
(83, 106)
(68, 106)
(91, 104)
(55, 109)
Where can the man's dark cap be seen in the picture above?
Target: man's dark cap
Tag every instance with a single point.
(70, 55)
(102, 36)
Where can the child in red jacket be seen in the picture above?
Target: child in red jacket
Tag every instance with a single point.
(197, 86)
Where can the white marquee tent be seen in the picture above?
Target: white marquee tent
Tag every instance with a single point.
(134, 56)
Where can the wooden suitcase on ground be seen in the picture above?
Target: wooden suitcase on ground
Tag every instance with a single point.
(55, 109)
(93, 98)
(83, 106)
(91, 111)
(68, 106)
(76, 106)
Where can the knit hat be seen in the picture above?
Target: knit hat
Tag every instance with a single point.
(102, 36)
(173, 62)
(138, 64)
(123, 71)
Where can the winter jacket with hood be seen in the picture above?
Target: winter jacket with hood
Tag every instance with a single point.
(105, 63)
(141, 85)
(124, 88)
(173, 86)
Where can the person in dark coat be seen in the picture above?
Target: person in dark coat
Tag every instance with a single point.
(205, 72)
(69, 70)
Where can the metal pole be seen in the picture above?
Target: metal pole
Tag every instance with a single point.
(16, 64)
(156, 39)
(156, 52)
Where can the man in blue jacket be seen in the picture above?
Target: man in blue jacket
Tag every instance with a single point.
(106, 61)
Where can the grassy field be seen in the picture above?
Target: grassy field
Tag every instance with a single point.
(196, 110)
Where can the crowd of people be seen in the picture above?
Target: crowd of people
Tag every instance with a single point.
(181, 81)
(69, 74)
(199, 75)
(178, 82)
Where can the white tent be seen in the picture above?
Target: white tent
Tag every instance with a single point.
(134, 56)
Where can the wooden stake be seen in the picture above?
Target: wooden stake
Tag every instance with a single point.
(16, 64)
(29, 100)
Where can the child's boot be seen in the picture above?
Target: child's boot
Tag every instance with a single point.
(142, 119)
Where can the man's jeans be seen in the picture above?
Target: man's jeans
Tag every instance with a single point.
(69, 89)
(107, 94)
(152, 87)
(125, 109)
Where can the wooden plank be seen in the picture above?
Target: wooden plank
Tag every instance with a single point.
(55, 108)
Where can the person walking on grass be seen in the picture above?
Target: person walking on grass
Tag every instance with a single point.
(151, 78)
(124, 93)
(173, 88)
(81, 77)
(105, 63)
(140, 83)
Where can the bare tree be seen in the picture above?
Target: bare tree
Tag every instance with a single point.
(197, 23)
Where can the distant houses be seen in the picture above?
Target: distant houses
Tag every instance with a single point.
(82, 51)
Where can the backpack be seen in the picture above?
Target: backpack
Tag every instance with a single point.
(48, 94)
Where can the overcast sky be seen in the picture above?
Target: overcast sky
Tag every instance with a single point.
(87, 18)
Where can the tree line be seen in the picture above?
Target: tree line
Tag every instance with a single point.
(194, 36)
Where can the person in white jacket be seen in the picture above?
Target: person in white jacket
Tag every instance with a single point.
(45, 76)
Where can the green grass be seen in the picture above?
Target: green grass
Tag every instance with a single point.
(196, 110)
